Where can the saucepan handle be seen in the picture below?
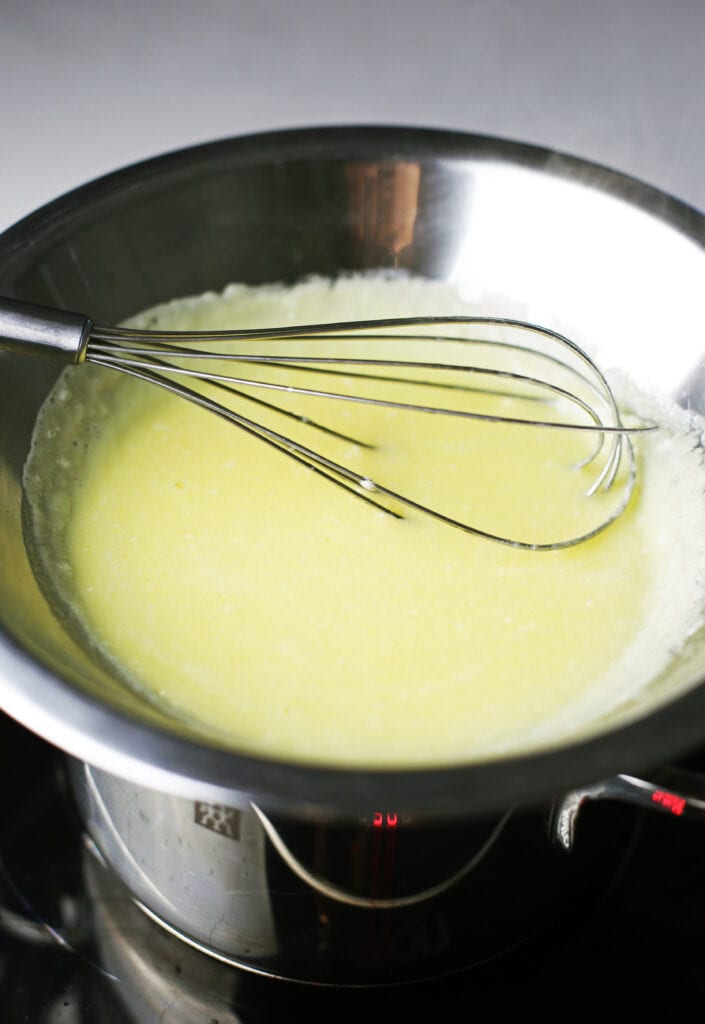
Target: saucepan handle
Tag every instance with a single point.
(668, 790)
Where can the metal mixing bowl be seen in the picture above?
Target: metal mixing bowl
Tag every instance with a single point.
(527, 231)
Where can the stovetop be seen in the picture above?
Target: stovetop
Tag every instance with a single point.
(75, 950)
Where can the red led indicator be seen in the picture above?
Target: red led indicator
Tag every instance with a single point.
(382, 820)
(674, 804)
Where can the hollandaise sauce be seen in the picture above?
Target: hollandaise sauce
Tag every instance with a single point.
(286, 618)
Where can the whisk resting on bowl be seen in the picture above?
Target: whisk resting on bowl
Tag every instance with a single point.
(559, 374)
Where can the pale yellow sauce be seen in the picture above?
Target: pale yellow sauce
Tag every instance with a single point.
(248, 595)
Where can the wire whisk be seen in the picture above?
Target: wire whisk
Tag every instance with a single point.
(516, 363)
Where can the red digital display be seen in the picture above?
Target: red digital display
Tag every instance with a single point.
(382, 819)
(674, 804)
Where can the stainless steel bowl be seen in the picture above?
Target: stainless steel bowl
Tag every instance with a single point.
(527, 231)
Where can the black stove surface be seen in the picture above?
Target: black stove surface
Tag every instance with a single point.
(639, 943)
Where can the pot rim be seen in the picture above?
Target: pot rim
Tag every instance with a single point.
(109, 739)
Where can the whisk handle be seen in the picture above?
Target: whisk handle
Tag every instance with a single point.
(27, 328)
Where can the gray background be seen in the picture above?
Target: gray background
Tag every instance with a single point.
(86, 87)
